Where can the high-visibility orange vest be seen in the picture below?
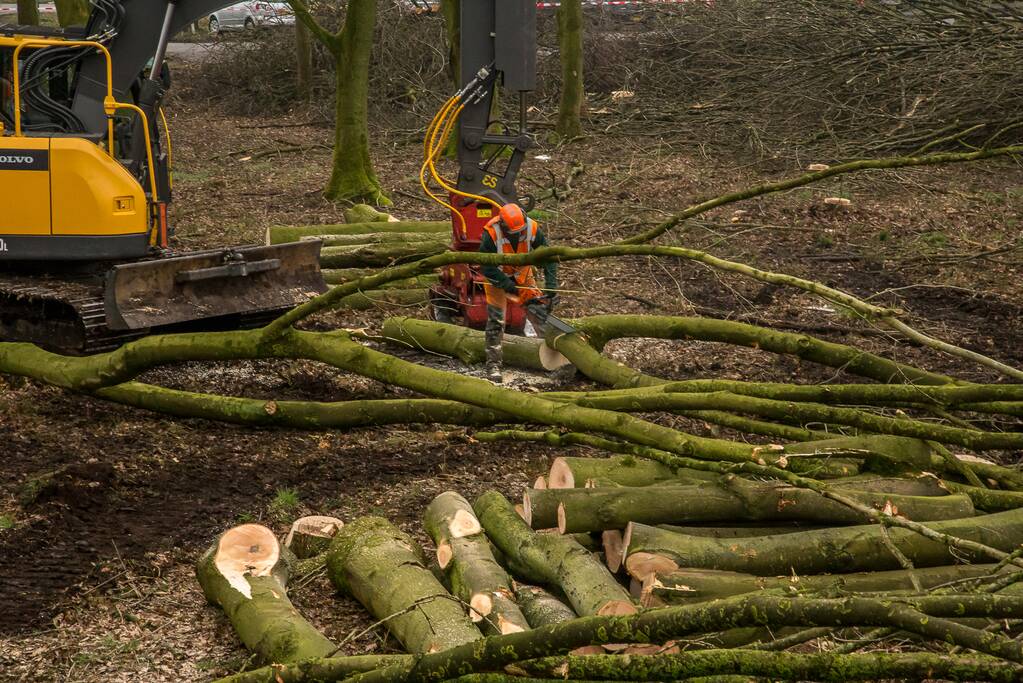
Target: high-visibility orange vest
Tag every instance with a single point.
(522, 275)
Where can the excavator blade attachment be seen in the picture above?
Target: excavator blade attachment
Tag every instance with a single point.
(209, 284)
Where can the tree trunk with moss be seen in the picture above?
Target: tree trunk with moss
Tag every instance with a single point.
(463, 552)
(551, 559)
(28, 12)
(696, 585)
(352, 176)
(570, 44)
(246, 573)
(278, 234)
(382, 567)
(650, 550)
(730, 499)
(72, 12)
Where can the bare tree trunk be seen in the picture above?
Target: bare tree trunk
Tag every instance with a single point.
(570, 41)
(303, 62)
(28, 12)
(72, 12)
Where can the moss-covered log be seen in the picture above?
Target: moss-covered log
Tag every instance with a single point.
(338, 276)
(771, 665)
(246, 573)
(381, 567)
(468, 344)
(731, 499)
(601, 329)
(989, 500)
(380, 298)
(925, 616)
(807, 413)
(737, 531)
(463, 552)
(626, 470)
(696, 585)
(298, 414)
(850, 549)
(279, 234)
(551, 559)
(384, 238)
(383, 254)
(540, 607)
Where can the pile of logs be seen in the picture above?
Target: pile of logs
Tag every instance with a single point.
(624, 568)
(368, 241)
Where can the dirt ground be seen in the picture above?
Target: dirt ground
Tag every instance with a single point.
(96, 578)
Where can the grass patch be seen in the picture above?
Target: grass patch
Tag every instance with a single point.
(284, 504)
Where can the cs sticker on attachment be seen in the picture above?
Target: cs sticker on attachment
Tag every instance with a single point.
(484, 213)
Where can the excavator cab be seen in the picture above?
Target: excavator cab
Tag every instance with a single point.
(85, 180)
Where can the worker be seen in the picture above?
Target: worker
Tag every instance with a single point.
(512, 232)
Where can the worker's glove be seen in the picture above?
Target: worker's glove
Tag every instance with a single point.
(550, 300)
(511, 288)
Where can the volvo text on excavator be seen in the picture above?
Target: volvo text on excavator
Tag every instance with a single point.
(85, 180)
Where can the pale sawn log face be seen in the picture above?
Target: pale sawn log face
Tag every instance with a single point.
(246, 574)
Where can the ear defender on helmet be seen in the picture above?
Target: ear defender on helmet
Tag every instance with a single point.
(512, 217)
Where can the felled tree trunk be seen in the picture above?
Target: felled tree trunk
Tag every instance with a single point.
(310, 536)
(376, 298)
(279, 234)
(850, 549)
(381, 567)
(731, 499)
(463, 552)
(387, 238)
(540, 607)
(246, 573)
(383, 254)
(696, 585)
(337, 276)
(739, 665)
(468, 345)
(554, 560)
(626, 470)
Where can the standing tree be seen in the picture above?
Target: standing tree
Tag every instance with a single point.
(352, 177)
(304, 62)
(28, 12)
(570, 42)
(72, 12)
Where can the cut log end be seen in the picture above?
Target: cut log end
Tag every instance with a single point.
(551, 359)
(464, 523)
(616, 608)
(505, 626)
(560, 476)
(311, 535)
(642, 565)
(614, 548)
(444, 555)
(527, 509)
(540, 483)
(481, 606)
(249, 549)
(562, 524)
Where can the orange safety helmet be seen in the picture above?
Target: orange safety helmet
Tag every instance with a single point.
(512, 217)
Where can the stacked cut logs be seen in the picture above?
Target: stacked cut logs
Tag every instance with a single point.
(623, 568)
(368, 241)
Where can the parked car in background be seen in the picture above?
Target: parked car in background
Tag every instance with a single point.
(251, 15)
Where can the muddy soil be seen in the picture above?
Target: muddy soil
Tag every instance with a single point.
(103, 509)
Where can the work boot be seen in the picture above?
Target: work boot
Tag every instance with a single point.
(494, 373)
(495, 356)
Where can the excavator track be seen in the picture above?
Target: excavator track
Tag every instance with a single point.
(67, 314)
(63, 314)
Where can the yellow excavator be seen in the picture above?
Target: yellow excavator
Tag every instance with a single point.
(85, 180)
